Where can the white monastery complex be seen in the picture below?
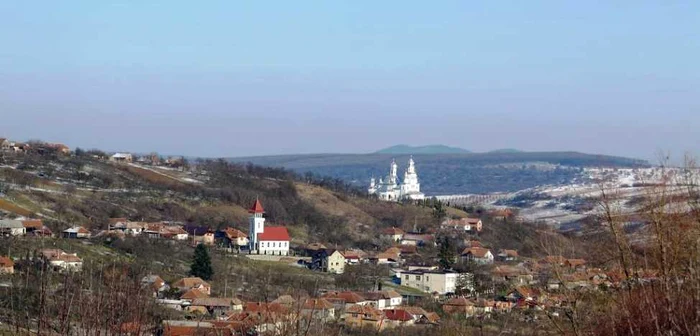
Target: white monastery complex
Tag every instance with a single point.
(391, 189)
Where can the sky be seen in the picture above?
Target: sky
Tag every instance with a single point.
(242, 78)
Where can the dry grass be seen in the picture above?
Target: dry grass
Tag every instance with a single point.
(13, 208)
(326, 202)
(153, 177)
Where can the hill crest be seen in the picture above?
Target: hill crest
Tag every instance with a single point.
(427, 149)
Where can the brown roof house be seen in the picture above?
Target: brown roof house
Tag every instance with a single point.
(393, 234)
(478, 255)
(318, 309)
(197, 283)
(76, 232)
(469, 225)
(507, 255)
(7, 266)
(61, 260)
(216, 307)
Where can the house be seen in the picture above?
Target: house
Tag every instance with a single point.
(7, 266)
(200, 234)
(392, 234)
(478, 255)
(121, 158)
(416, 312)
(430, 318)
(32, 226)
(507, 255)
(523, 293)
(512, 274)
(383, 299)
(58, 259)
(4, 145)
(186, 284)
(266, 240)
(11, 227)
(417, 239)
(215, 307)
(19, 147)
(232, 238)
(328, 260)
(318, 309)
(173, 232)
(44, 231)
(346, 298)
(460, 306)
(193, 294)
(76, 232)
(385, 258)
(134, 228)
(155, 283)
(153, 230)
(469, 225)
(439, 281)
(354, 257)
(398, 318)
(363, 317)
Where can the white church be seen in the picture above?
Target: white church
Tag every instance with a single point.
(392, 189)
(266, 240)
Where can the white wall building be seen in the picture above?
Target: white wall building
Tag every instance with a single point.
(266, 240)
(441, 282)
(392, 189)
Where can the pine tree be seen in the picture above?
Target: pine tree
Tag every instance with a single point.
(446, 254)
(201, 263)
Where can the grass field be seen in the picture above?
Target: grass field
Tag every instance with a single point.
(153, 177)
(13, 208)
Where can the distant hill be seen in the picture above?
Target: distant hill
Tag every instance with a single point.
(429, 149)
(506, 150)
(453, 173)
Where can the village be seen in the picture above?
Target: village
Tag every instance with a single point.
(429, 275)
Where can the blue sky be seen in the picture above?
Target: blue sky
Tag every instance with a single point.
(235, 78)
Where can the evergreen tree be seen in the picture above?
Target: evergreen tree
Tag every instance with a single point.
(439, 211)
(201, 263)
(446, 254)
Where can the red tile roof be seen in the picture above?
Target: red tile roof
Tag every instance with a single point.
(274, 233)
(257, 207)
(32, 223)
(6, 262)
(235, 233)
(398, 315)
(193, 294)
(349, 297)
(478, 252)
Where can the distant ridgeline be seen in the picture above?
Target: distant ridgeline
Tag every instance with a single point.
(457, 173)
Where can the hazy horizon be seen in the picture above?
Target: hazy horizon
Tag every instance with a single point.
(228, 79)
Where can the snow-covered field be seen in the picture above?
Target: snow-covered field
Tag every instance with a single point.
(564, 204)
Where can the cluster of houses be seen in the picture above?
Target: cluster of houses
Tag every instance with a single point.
(374, 311)
(152, 159)
(7, 145)
(22, 226)
(60, 260)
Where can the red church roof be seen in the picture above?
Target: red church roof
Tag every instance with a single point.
(274, 233)
(257, 207)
